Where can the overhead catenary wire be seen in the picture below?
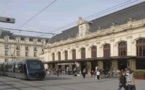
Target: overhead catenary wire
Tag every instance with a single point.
(112, 8)
(37, 14)
(71, 24)
(97, 14)
(26, 31)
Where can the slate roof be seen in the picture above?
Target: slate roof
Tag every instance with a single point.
(13, 36)
(136, 12)
(4, 33)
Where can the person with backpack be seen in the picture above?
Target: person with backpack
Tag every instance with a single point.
(131, 82)
(122, 81)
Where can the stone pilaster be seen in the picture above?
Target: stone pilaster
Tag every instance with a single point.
(114, 64)
(56, 66)
(88, 67)
(63, 67)
(132, 64)
(70, 67)
(50, 66)
(100, 64)
(79, 68)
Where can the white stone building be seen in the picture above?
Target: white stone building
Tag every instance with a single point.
(16, 47)
(113, 41)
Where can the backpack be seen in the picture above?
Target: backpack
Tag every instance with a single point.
(84, 71)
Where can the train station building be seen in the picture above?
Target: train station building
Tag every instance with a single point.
(116, 40)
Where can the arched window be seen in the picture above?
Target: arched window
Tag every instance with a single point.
(59, 56)
(53, 56)
(122, 48)
(73, 54)
(106, 49)
(83, 53)
(66, 55)
(140, 46)
(93, 52)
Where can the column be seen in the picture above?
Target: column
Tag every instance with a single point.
(100, 65)
(63, 67)
(56, 66)
(88, 67)
(129, 45)
(112, 47)
(115, 64)
(50, 66)
(79, 67)
(70, 67)
(132, 64)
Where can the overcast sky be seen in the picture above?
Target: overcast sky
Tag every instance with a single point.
(62, 13)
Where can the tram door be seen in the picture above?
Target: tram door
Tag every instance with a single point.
(106, 65)
(93, 65)
(122, 64)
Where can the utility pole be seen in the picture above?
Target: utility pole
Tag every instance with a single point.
(7, 20)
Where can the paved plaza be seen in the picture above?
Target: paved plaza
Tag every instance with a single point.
(63, 82)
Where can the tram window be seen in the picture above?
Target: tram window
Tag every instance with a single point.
(34, 65)
(16, 68)
(5, 67)
(0, 67)
(10, 68)
(20, 68)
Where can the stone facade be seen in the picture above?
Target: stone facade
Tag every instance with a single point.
(17, 47)
(129, 32)
(108, 55)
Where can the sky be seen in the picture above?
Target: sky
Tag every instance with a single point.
(58, 16)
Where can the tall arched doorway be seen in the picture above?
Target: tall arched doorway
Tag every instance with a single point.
(122, 64)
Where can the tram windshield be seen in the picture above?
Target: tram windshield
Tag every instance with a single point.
(35, 65)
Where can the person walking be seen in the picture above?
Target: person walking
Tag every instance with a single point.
(84, 73)
(98, 74)
(57, 72)
(131, 82)
(122, 81)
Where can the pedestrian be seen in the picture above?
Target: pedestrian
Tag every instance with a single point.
(98, 74)
(84, 73)
(92, 73)
(131, 82)
(122, 81)
(96, 70)
(57, 72)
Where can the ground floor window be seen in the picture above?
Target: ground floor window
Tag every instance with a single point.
(93, 65)
(140, 64)
(107, 65)
(122, 64)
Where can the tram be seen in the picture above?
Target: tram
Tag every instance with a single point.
(31, 69)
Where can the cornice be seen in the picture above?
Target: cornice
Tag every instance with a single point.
(18, 43)
(114, 29)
